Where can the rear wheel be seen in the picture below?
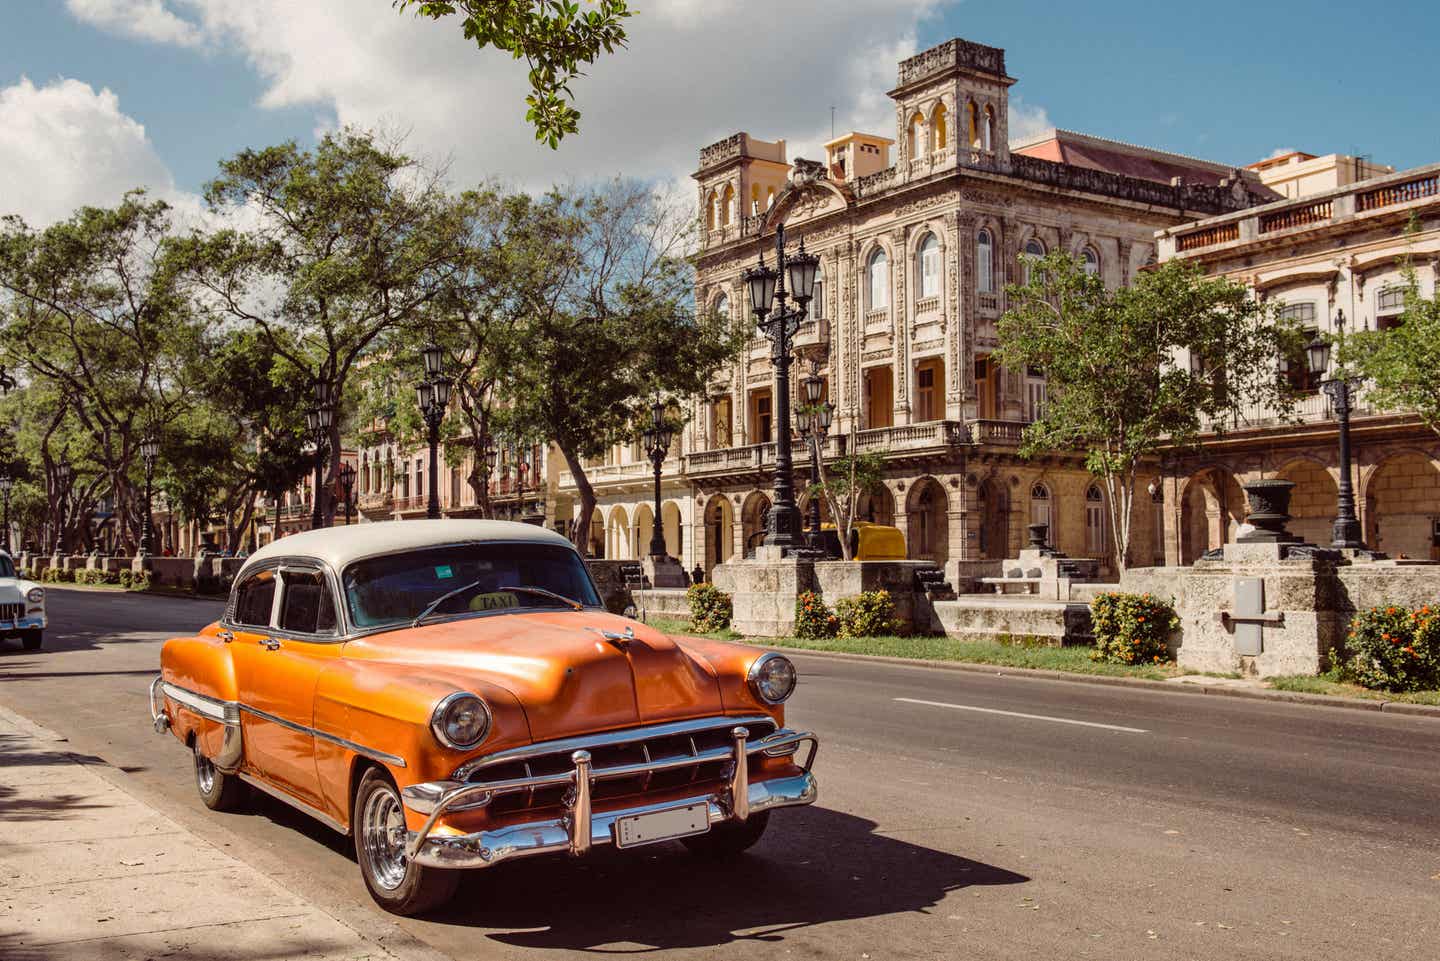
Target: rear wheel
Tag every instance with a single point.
(219, 791)
(397, 884)
(728, 839)
(31, 640)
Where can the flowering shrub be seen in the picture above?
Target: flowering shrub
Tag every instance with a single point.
(58, 575)
(1395, 648)
(87, 576)
(812, 618)
(710, 608)
(1131, 628)
(868, 614)
(133, 581)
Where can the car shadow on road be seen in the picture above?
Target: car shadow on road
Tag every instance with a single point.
(815, 865)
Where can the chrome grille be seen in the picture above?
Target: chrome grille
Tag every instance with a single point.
(11, 612)
(673, 755)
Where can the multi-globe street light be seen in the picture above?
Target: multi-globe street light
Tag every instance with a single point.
(656, 438)
(63, 473)
(813, 429)
(149, 451)
(433, 397)
(1347, 532)
(347, 481)
(6, 482)
(778, 323)
(319, 418)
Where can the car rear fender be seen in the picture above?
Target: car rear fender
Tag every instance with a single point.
(202, 665)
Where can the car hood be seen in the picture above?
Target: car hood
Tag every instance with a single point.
(567, 675)
(14, 589)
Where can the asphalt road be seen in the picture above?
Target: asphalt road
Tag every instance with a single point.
(1109, 823)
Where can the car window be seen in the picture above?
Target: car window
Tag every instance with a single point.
(6, 568)
(254, 598)
(306, 606)
(396, 588)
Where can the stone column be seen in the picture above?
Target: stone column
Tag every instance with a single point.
(900, 310)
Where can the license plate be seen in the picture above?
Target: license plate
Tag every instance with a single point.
(662, 825)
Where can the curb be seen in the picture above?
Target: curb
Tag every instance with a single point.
(1258, 694)
(117, 589)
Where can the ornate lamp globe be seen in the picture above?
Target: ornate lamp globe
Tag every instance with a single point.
(761, 281)
(1317, 354)
(801, 270)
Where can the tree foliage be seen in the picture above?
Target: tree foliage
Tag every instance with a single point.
(556, 38)
(1141, 369)
(843, 483)
(1403, 363)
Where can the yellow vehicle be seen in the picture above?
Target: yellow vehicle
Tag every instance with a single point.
(868, 542)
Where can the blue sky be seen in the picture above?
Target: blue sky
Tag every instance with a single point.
(204, 78)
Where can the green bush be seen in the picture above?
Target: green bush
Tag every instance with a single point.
(133, 581)
(710, 608)
(58, 575)
(812, 618)
(1132, 628)
(869, 614)
(87, 576)
(111, 577)
(1395, 649)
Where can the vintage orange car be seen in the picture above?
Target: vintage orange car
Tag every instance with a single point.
(452, 694)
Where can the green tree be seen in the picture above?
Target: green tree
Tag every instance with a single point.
(556, 39)
(843, 483)
(606, 321)
(1141, 369)
(1403, 363)
(349, 241)
(90, 309)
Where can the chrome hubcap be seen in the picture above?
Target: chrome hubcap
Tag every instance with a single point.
(384, 837)
(204, 772)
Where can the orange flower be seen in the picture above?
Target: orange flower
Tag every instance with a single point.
(1140, 620)
(1389, 610)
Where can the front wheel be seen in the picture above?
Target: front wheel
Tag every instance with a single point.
(31, 640)
(728, 838)
(219, 791)
(397, 884)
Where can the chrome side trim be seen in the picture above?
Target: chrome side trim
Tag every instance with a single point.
(294, 802)
(590, 741)
(228, 713)
(485, 849)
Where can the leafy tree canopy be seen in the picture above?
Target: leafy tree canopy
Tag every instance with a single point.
(1403, 363)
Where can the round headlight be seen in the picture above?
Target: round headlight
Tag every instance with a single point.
(36, 595)
(773, 678)
(460, 720)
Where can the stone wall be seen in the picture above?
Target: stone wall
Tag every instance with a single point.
(609, 580)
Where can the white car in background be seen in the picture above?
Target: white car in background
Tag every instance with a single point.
(22, 606)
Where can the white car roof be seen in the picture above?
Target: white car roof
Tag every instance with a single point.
(338, 546)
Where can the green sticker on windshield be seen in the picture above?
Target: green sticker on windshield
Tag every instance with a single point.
(444, 571)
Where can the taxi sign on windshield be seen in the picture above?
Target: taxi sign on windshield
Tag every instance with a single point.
(497, 601)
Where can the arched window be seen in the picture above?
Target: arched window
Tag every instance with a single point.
(754, 198)
(877, 282)
(769, 198)
(1094, 522)
(722, 306)
(929, 264)
(712, 210)
(1090, 261)
(941, 125)
(1040, 511)
(917, 136)
(988, 134)
(972, 124)
(727, 206)
(985, 262)
(1033, 249)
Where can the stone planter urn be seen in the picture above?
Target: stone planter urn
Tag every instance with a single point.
(1269, 510)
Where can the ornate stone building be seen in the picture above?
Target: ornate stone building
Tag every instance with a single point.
(918, 234)
(1337, 243)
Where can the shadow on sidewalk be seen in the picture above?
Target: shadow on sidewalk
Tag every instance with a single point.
(39, 802)
(815, 866)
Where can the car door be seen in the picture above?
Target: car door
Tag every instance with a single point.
(276, 672)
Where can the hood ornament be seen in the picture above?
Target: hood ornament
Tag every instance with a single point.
(621, 641)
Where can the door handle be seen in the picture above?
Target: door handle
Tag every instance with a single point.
(225, 636)
(269, 643)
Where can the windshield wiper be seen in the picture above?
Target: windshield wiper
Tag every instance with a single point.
(430, 608)
(574, 604)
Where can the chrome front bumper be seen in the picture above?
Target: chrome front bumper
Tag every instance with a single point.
(581, 828)
(32, 623)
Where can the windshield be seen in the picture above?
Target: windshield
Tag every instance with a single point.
(397, 588)
(6, 568)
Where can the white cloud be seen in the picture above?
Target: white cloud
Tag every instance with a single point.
(1027, 121)
(143, 19)
(695, 71)
(65, 145)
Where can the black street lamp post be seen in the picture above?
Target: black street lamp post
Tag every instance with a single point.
(149, 451)
(522, 467)
(778, 323)
(656, 439)
(488, 457)
(319, 418)
(813, 430)
(347, 481)
(6, 482)
(62, 485)
(433, 396)
(1347, 526)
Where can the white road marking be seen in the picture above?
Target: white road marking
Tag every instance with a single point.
(1033, 717)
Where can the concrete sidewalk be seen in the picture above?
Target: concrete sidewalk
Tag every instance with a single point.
(89, 872)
